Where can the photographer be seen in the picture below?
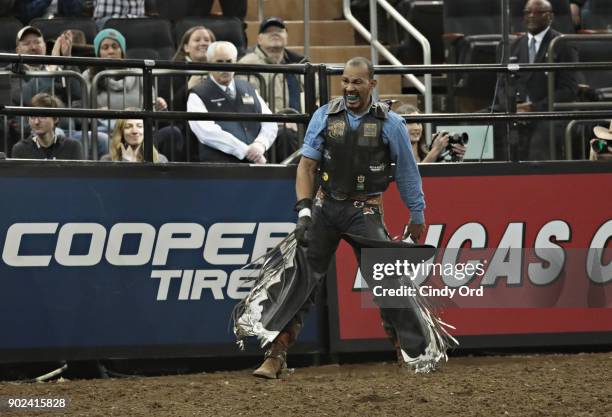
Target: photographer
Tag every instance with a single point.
(442, 148)
(601, 146)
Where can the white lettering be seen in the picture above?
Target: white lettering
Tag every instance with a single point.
(145, 245)
(597, 271)
(64, 244)
(240, 283)
(216, 242)
(164, 282)
(167, 241)
(551, 253)
(264, 239)
(12, 243)
(507, 260)
(214, 279)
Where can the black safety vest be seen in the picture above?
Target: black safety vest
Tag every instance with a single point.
(355, 161)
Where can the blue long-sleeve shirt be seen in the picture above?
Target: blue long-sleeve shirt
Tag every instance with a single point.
(395, 135)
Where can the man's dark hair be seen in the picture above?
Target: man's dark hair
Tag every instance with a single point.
(359, 61)
(46, 100)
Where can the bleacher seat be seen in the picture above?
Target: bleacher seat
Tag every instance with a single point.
(561, 23)
(597, 15)
(426, 17)
(10, 26)
(178, 9)
(146, 38)
(225, 28)
(52, 28)
(599, 82)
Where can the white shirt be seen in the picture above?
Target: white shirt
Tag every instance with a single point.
(210, 133)
(538, 39)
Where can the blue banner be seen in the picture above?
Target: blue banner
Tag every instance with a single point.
(95, 262)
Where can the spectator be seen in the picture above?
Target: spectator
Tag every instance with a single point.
(272, 49)
(107, 9)
(30, 41)
(45, 143)
(114, 92)
(192, 48)
(601, 146)
(26, 10)
(237, 8)
(439, 143)
(126, 143)
(531, 87)
(231, 141)
(575, 6)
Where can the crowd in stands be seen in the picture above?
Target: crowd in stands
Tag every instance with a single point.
(223, 91)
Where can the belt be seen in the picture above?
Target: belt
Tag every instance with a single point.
(359, 200)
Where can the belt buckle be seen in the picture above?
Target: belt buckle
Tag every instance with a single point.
(359, 204)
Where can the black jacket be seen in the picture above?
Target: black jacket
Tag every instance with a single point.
(63, 148)
(535, 84)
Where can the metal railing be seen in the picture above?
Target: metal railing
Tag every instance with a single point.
(308, 71)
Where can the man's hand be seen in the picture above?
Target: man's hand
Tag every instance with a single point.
(255, 152)
(303, 207)
(415, 231)
(524, 107)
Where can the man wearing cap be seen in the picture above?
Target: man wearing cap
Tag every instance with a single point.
(30, 41)
(601, 146)
(229, 141)
(272, 49)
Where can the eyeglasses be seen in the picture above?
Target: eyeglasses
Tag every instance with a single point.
(224, 61)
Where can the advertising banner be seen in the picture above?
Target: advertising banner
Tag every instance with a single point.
(119, 258)
(534, 235)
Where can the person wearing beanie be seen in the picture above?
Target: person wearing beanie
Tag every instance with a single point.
(114, 92)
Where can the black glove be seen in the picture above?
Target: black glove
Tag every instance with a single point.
(303, 222)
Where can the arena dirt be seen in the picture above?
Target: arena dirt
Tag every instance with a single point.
(542, 385)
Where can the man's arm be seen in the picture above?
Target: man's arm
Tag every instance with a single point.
(305, 180)
(267, 134)
(407, 175)
(209, 133)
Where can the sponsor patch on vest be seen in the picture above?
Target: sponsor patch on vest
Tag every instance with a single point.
(247, 99)
(324, 176)
(360, 183)
(335, 129)
(369, 129)
(378, 168)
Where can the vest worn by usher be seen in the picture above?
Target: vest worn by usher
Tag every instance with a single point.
(217, 100)
(355, 161)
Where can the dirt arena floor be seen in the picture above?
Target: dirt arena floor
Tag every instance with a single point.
(528, 385)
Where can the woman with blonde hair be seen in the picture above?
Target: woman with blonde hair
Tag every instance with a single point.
(126, 143)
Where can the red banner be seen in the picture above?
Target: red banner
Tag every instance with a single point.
(572, 211)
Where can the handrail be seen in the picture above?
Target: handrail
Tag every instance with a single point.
(348, 15)
(422, 40)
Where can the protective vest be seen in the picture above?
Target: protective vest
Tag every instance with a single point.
(355, 161)
(217, 100)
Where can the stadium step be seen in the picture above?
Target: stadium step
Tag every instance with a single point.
(294, 9)
(322, 32)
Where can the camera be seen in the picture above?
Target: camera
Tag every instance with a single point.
(600, 146)
(453, 139)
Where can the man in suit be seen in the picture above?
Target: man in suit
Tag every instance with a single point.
(532, 87)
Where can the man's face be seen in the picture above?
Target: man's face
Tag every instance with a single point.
(31, 44)
(273, 38)
(223, 55)
(357, 87)
(40, 126)
(537, 16)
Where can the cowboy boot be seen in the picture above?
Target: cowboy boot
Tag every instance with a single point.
(395, 342)
(275, 359)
